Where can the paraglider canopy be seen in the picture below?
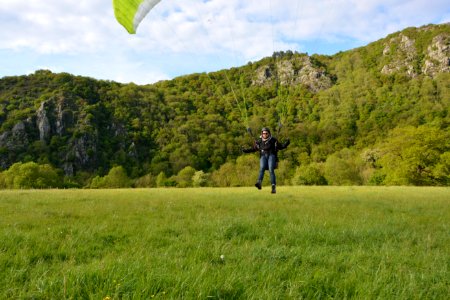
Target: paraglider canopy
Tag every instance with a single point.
(130, 13)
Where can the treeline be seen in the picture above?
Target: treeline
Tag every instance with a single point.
(349, 122)
(409, 156)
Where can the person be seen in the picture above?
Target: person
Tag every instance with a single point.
(268, 147)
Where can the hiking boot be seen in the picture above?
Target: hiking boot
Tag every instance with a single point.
(258, 185)
(274, 190)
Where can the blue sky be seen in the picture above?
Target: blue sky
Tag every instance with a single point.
(181, 37)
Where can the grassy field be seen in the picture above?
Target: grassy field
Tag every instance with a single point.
(219, 243)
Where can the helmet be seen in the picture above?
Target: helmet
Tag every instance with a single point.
(265, 129)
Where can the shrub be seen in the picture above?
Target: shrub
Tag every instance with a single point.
(309, 175)
(199, 179)
(284, 172)
(163, 181)
(184, 177)
(246, 170)
(145, 181)
(116, 178)
(343, 168)
(3, 180)
(225, 175)
(30, 175)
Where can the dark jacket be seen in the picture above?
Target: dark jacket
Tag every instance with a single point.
(271, 146)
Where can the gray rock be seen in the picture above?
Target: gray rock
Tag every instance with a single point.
(295, 71)
(402, 53)
(42, 122)
(438, 56)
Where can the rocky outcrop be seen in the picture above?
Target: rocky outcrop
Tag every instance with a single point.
(68, 168)
(55, 116)
(263, 75)
(401, 53)
(299, 70)
(85, 150)
(437, 59)
(314, 78)
(402, 56)
(83, 144)
(15, 139)
(64, 115)
(42, 121)
(13, 142)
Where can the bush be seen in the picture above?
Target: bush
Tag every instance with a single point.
(246, 170)
(116, 178)
(225, 175)
(163, 181)
(3, 180)
(30, 175)
(284, 172)
(184, 177)
(145, 181)
(199, 179)
(309, 175)
(343, 168)
(442, 169)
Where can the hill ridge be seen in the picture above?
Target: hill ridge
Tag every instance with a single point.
(353, 100)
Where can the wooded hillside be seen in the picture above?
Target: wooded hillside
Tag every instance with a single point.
(378, 114)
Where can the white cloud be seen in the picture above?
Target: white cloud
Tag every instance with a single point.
(65, 26)
(84, 35)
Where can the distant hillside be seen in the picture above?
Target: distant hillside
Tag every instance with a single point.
(377, 114)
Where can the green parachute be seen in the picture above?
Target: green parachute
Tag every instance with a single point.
(130, 13)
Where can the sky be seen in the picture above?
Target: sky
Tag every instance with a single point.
(180, 37)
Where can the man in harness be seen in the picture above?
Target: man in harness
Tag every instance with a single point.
(268, 147)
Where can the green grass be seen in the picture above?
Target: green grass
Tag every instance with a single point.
(304, 242)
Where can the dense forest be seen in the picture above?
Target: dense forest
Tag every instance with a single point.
(375, 115)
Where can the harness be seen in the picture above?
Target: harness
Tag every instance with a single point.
(267, 147)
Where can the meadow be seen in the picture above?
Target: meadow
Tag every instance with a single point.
(226, 243)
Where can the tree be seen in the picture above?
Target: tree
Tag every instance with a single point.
(225, 175)
(31, 175)
(116, 178)
(343, 168)
(199, 179)
(309, 175)
(3, 180)
(145, 181)
(246, 170)
(415, 156)
(284, 172)
(163, 181)
(442, 169)
(184, 177)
